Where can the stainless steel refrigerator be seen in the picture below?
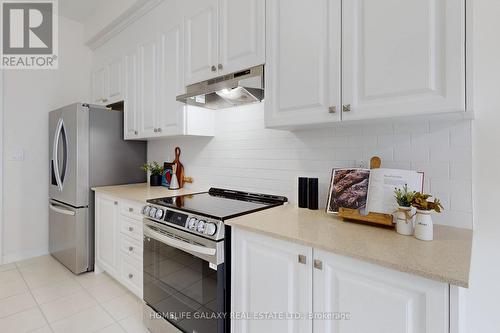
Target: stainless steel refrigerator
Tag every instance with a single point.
(86, 149)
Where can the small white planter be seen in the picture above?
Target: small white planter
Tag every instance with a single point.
(405, 220)
(424, 228)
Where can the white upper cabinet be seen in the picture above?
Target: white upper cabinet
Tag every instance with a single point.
(377, 299)
(131, 129)
(201, 42)
(222, 36)
(302, 62)
(241, 34)
(403, 57)
(99, 83)
(269, 276)
(171, 81)
(107, 83)
(148, 80)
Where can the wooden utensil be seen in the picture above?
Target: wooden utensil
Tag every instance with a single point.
(180, 167)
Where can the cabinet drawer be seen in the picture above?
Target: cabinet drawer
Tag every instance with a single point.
(131, 209)
(131, 228)
(131, 248)
(132, 274)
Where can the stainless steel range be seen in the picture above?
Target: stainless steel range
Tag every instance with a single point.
(187, 258)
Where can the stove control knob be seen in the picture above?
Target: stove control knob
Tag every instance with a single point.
(210, 229)
(146, 210)
(152, 212)
(201, 227)
(159, 214)
(192, 223)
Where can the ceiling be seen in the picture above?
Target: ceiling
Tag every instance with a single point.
(78, 10)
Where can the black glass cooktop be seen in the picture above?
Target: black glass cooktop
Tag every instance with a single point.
(221, 204)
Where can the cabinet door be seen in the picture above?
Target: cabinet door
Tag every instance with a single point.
(403, 57)
(99, 82)
(148, 79)
(130, 100)
(106, 233)
(201, 36)
(115, 81)
(268, 277)
(241, 34)
(302, 62)
(377, 300)
(172, 82)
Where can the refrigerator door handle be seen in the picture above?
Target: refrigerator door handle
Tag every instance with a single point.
(55, 150)
(60, 209)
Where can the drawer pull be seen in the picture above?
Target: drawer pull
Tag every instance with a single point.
(130, 209)
(318, 264)
(130, 229)
(130, 276)
(131, 248)
(116, 203)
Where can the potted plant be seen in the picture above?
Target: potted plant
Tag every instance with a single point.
(155, 171)
(405, 216)
(424, 228)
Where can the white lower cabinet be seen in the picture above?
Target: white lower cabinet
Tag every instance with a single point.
(118, 245)
(376, 299)
(269, 276)
(275, 276)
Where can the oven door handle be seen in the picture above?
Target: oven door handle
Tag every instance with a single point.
(178, 243)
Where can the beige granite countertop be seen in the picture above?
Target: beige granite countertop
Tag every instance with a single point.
(446, 259)
(142, 192)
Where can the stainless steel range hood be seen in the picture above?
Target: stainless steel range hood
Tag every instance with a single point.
(229, 90)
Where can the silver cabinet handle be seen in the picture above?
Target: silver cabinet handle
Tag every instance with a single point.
(220, 66)
(154, 130)
(332, 109)
(116, 203)
(130, 276)
(135, 133)
(318, 264)
(130, 229)
(302, 259)
(131, 248)
(346, 108)
(214, 68)
(130, 209)
(159, 130)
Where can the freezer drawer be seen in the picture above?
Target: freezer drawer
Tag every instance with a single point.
(69, 236)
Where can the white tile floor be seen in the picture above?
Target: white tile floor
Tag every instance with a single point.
(40, 295)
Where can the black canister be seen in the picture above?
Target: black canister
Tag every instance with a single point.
(312, 193)
(303, 202)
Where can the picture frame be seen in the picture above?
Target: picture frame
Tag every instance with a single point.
(348, 189)
(166, 176)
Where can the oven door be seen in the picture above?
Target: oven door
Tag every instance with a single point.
(184, 278)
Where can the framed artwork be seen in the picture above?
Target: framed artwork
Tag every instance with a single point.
(348, 189)
(167, 174)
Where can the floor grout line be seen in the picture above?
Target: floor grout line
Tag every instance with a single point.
(37, 305)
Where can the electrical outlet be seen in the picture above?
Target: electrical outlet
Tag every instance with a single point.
(16, 154)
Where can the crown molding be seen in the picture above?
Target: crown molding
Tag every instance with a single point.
(132, 14)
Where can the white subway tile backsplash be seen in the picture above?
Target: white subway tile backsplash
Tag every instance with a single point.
(245, 155)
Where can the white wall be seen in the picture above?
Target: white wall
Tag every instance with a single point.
(484, 293)
(244, 155)
(29, 96)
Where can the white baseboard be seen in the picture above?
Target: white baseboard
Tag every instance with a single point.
(18, 256)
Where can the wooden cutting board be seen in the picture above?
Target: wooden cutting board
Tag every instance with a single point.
(180, 168)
